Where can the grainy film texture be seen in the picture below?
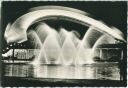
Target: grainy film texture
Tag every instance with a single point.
(47, 43)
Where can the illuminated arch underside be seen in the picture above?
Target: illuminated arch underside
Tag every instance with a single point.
(17, 31)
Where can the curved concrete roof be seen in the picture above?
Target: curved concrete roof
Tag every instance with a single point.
(17, 31)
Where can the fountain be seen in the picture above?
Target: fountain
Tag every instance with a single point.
(65, 47)
(104, 39)
(34, 39)
(50, 45)
(68, 50)
(65, 53)
(62, 47)
(36, 42)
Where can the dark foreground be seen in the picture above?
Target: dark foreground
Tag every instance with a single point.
(25, 82)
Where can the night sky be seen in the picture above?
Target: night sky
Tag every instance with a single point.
(111, 13)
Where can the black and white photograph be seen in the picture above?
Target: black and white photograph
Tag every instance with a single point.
(63, 43)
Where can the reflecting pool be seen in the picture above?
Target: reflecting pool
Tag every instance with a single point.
(106, 71)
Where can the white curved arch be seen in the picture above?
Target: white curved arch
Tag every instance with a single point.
(58, 7)
(19, 27)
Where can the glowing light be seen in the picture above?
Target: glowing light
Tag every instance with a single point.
(63, 46)
(18, 33)
(11, 45)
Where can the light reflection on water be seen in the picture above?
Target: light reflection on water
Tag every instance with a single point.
(102, 71)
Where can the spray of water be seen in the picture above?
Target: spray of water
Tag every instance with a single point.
(63, 47)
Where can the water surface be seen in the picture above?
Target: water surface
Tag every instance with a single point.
(95, 71)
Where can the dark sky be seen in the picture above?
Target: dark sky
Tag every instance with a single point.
(112, 13)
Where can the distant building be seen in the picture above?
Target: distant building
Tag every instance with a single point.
(26, 53)
(20, 54)
(109, 52)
